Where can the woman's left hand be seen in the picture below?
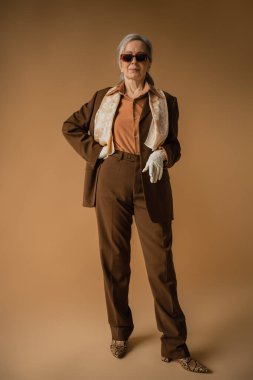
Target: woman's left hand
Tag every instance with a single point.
(102, 154)
(154, 165)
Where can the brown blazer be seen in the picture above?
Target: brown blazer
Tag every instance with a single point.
(78, 129)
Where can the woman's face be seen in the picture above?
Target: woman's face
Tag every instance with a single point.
(135, 70)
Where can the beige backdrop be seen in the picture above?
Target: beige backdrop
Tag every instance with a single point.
(54, 56)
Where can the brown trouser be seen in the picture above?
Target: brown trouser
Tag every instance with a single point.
(120, 196)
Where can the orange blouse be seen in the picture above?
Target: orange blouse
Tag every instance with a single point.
(126, 123)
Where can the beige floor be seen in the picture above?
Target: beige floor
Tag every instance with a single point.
(66, 337)
(69, 346)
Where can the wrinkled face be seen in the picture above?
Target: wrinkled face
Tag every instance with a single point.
(135, 70)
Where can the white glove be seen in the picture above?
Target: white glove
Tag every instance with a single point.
(154, 165)
(102, 154)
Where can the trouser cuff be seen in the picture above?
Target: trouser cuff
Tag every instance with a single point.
(121, 332)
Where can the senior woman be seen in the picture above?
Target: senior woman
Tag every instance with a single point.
(127, 135)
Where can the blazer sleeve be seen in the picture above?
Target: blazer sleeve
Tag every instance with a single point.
(76, 131)
(171, 144)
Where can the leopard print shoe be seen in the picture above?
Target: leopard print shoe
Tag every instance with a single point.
(118, 348)
(189, 364)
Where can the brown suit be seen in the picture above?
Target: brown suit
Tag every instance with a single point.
(78, 129)
(119, 189)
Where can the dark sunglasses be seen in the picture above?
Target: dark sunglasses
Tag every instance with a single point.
(141, 57)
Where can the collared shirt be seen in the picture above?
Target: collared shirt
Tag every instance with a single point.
(126, 123)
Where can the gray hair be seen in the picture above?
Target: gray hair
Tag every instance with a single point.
(140, 37)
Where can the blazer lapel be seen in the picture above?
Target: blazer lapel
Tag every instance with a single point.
(145, 110)
(145, 121)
